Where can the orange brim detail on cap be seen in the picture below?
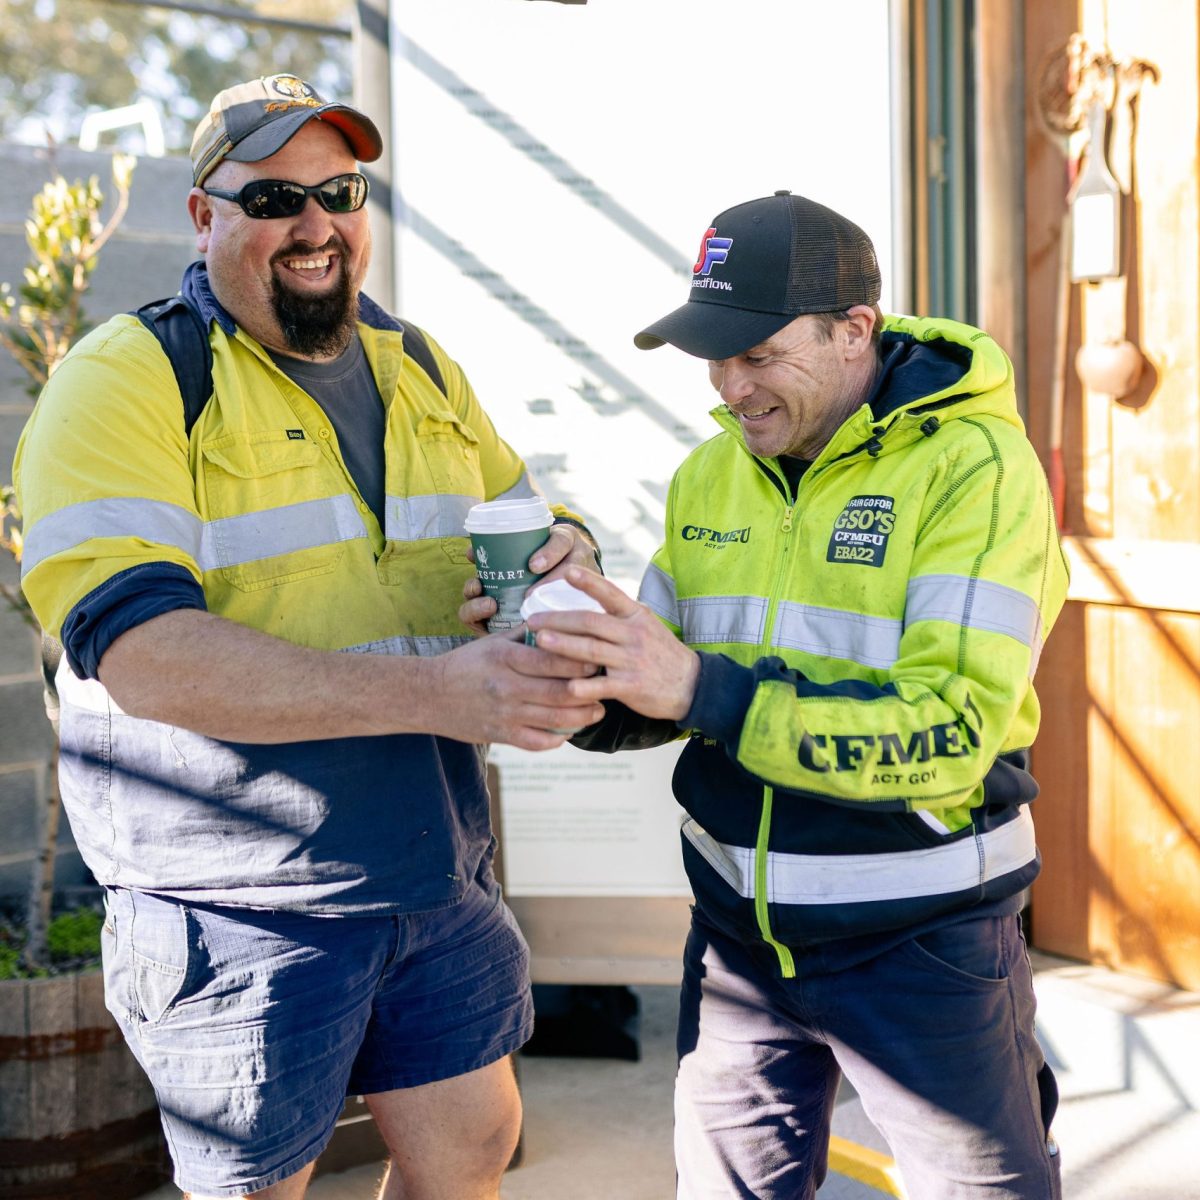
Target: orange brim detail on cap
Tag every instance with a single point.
(367, 146)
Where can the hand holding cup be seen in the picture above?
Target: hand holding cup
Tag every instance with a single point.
(505, 534)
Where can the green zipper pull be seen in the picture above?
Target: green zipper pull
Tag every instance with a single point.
(787, 518)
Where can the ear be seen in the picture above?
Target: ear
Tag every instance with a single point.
(200, 209)
(857, 330)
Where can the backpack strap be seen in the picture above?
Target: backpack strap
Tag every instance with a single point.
(183, 335)
(417, 348)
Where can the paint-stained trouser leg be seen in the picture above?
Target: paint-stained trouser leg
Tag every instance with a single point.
(935, 1034)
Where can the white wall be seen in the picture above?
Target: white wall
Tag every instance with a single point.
(558, 164)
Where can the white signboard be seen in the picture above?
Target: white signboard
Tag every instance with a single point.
(580, 824)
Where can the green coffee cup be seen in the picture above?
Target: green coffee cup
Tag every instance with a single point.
(504, 535)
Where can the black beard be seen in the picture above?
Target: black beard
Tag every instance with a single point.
(316, 326)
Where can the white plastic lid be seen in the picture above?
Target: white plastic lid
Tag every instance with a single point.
(509, 516)
(558, 596)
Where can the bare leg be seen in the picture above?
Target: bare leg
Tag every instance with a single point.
(450, 1140)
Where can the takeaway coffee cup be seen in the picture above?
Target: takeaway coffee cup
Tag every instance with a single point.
(556, 596)
(504, 535)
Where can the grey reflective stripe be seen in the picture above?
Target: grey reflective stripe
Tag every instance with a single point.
(704, 620)
(112, 517)
(228, 542)
(975, 604)
(232, 541)
(707, 620)
(867, 878)
(523, 489)
(831, 633)
(1035, 651)
(875, 641)
(414, 518)
(658, 594)
(421, 647)
(835, 633)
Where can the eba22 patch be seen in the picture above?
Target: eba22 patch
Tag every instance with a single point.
(861, 531)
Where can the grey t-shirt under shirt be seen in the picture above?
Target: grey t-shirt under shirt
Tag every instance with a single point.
(346, 391)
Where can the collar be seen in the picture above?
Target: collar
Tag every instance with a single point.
(197, 291)
(912, 370)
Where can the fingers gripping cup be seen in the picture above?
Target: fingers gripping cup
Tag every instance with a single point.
(504, 534)
(556, 596)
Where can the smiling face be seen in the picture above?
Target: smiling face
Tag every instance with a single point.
(291, 282)
(792, 392)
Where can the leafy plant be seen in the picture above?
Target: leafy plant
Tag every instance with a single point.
(74, 936)
(65, 236)
(72, 941)
(38, 326)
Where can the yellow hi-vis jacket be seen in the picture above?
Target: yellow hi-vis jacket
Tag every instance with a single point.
(859, 735)
(256, 518)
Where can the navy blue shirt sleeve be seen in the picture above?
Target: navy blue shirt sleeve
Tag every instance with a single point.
(724, 693)
(129, 598)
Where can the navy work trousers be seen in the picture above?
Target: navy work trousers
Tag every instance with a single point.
(934, 1033)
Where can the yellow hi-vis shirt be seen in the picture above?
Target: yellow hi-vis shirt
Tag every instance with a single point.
(258, 504)
(259, 509)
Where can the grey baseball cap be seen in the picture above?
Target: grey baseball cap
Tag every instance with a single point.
(252, 121)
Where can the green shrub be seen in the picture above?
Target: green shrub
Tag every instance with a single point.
(72, 939)
(74, 936)
(10, 962)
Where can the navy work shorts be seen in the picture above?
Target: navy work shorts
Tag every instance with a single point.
(935, 1034)
(254, 1026)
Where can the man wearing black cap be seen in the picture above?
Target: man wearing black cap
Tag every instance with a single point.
(856, 579)
(271, 717)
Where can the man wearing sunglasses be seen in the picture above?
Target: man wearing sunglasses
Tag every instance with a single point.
(272, 719)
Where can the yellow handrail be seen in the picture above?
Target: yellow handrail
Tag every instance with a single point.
(865, 1165)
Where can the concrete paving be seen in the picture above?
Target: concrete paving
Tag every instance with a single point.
(1126, 1052)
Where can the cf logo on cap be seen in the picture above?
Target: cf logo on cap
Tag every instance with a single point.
(713, 250)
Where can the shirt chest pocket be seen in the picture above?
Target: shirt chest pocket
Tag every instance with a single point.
(270, 515)
(449, 449)
(428, 506)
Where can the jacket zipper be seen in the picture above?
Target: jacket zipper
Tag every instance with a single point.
(762, 845)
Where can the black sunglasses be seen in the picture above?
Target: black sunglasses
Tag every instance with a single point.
(268, 198)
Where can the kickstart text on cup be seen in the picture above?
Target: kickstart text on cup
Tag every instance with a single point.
(504, 535)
